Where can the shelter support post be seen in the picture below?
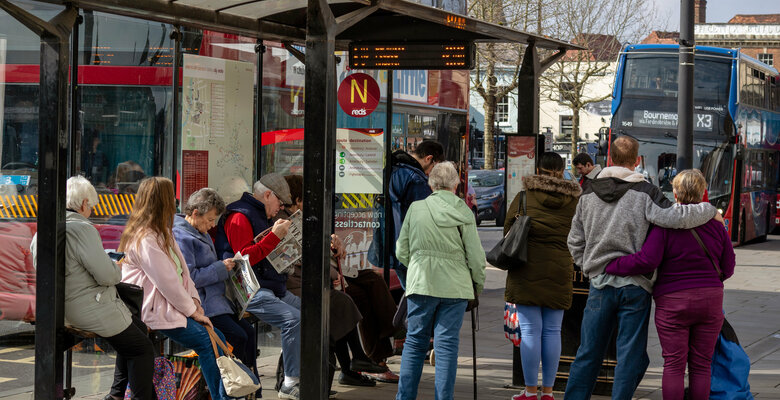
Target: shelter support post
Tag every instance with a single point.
(318, 183)
(260, 51)
(685, 89)
(175, 143)
(75, 140)
(387, 173)
(52, 175)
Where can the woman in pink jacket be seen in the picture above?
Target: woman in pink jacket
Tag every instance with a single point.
(153, 261)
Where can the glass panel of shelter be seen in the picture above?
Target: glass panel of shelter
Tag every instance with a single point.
(19, 58)
(125, 121)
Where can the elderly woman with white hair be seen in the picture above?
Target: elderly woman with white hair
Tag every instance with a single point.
(91, 300)
(445, 264)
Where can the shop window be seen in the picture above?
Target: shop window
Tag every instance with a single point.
(567, 123)
(502, 109)
(766, 58)
(566, 92)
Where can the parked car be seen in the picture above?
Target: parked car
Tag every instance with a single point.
(489, 189)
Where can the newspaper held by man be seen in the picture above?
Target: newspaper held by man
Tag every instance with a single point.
(290, 249)
(243, 284)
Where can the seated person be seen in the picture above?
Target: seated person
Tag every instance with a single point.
(273, 304)
(91, 301)
(209, 273)
(154, 261)
(344, 314)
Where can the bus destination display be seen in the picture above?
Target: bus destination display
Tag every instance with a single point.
(364, 55)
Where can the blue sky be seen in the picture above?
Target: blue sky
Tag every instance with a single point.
(718, 10)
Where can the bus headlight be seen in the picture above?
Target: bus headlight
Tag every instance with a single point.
(720, 210)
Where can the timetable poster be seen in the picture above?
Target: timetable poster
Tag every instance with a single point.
(217, 117)
(359, 160)
(520, 162)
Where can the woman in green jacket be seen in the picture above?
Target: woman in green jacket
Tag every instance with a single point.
(445, 264)
(539, 291)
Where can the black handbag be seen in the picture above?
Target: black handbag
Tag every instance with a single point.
(512, 250)
(132, 295)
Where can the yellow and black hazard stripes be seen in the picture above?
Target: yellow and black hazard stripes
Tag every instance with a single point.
(26, 206)
(114, 204)
(18, 206)
(356, 200)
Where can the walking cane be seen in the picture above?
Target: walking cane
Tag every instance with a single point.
(474, 348)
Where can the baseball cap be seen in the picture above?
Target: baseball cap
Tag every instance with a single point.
(278, 185)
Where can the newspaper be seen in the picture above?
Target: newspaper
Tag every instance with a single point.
(242, 284)
(289, 250)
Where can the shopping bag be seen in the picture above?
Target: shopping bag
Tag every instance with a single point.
(511, 323)
(164, 380)
(512, 250)
(190, 384)
(237, 378)
(730, 368)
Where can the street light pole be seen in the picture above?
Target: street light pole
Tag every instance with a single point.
(685, 87)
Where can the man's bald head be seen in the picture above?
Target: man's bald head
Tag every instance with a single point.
(624, 152)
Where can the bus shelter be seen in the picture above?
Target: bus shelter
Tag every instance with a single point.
(312, 30)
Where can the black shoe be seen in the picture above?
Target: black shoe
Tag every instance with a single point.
(369, 366)
(355, 380)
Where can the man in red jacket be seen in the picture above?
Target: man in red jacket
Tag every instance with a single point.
(242, 222)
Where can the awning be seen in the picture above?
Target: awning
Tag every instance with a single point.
(285, 20)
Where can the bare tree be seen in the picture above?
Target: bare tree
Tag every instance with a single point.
(497, 65)
(601, 26)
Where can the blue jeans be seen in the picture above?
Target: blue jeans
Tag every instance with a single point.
(444, 318)
(285, 314)
(195, 337)
(629, 307)
(540, 328)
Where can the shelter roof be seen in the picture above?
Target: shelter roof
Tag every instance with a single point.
(285, 20)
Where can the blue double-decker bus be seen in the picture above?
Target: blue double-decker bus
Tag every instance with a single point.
(736, 127)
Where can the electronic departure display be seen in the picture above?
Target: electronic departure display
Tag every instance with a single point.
(365, 55)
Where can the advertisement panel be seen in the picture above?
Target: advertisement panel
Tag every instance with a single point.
(521, 162)
(217, 118)
(359, 160)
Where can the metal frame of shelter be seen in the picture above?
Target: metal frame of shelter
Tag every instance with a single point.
(324, 26)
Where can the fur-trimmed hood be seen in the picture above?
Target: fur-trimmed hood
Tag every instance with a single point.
(552, 184)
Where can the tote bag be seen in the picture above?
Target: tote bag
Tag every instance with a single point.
(238, 379)
(730, 368)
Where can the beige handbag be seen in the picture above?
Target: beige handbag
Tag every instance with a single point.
(238, 379)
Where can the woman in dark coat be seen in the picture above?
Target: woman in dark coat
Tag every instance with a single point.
(539, 291)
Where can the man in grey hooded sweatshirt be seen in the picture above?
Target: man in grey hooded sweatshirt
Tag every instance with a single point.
(613, 217)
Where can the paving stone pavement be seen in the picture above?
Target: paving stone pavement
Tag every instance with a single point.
(752, 305)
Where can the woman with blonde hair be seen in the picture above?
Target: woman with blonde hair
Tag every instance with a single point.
(154, 261)
(688, 293)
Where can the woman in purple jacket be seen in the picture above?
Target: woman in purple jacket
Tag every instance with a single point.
(688, 292)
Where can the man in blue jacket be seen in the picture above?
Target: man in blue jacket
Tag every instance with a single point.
(408, 183)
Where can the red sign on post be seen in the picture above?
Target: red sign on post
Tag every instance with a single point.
(358, 95)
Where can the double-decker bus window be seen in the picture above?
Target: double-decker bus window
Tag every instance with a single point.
(118, 138)
(717, 167)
